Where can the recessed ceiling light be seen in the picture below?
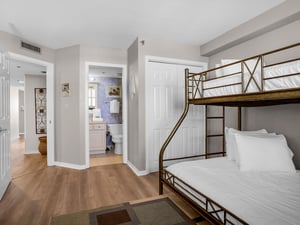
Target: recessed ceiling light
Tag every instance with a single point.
(19, 67)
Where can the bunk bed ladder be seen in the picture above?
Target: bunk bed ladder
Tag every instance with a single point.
(209, 118)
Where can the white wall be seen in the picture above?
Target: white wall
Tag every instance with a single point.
(14, 112)
(31, 138)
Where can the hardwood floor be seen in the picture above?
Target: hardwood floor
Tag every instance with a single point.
(105, 159)
(38, 192)
(23, 164)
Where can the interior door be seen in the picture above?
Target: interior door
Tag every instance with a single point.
(165, 88)
(4, 125)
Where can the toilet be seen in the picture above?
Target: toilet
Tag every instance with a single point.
(117, 137)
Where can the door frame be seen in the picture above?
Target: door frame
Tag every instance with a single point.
(124, 109)
(50, 101)
(157, 59)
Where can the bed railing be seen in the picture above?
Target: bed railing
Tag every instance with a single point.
(248, 75)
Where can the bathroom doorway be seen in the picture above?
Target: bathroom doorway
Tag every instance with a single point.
(106, 103)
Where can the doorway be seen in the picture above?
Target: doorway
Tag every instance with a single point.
(48, 70)
(27, 124)
(106, 114)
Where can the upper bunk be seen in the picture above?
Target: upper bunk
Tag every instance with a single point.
(270, 78)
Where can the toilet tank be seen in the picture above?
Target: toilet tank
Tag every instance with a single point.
(115, 128)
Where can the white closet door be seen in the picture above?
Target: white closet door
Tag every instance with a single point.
(4, 126)
(164, 105)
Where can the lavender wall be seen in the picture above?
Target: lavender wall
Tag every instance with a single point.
(104, 101)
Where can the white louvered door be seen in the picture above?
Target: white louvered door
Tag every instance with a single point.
(4, 125)
(164, 105)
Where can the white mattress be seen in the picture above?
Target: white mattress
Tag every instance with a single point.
(256, 197)
(272, 84)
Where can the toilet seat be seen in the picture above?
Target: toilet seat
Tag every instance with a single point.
(117, 138)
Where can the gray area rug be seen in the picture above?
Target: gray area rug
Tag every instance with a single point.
(157, 212)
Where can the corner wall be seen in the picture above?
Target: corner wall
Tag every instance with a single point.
(135, 155)
(67, 127)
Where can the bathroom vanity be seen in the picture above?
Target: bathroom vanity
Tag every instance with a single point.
(97, 133)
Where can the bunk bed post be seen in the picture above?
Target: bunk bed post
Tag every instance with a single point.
(223, 128)
(166, 143)
(239, 118)
(262, 78)
(206, 133)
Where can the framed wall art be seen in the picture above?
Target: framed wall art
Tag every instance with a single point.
(113, 91)
(65, 89)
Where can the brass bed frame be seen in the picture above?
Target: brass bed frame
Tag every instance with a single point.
(194, 94)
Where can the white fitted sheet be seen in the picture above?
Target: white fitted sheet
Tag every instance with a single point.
(272, 84)
(256, 197)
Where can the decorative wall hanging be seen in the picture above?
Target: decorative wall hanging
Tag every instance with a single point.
(40, 110)
(65, 89)
(113, 91)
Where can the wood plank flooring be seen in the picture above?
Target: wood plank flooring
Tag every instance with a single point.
(105, 159)
(38, 192)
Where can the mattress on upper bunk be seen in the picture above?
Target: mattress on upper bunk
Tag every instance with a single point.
(255, 197)
(269, 84)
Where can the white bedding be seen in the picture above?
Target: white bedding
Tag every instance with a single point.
(271, 84)
(256, 197)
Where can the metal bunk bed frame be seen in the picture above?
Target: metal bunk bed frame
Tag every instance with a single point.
(207, 207)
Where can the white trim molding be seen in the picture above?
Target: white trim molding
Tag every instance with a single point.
(136, 170)
(31, 152)
(70, 165)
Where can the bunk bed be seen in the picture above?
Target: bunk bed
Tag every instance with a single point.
(214, 185)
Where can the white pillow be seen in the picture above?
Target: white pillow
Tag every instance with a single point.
(264, 154)
(261, 135)
(230, 144)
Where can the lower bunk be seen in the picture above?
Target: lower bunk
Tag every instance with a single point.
(226, 195)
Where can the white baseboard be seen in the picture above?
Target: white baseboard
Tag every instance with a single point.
(137, 171)
(31, 152)
(14, 138)
(70, 165)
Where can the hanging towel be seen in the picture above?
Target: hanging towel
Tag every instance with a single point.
(114, 106)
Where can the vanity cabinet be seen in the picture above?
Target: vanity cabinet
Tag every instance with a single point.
(97, 135)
